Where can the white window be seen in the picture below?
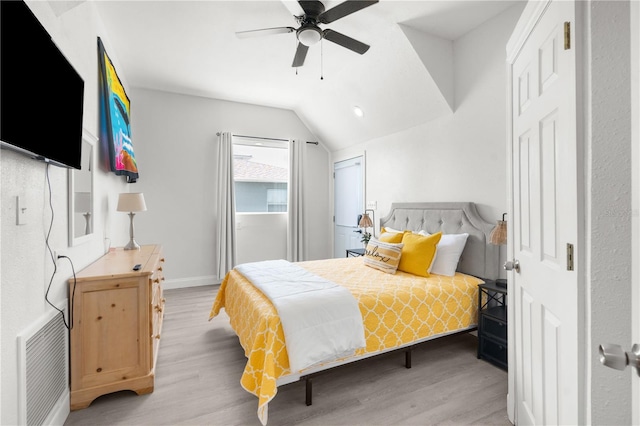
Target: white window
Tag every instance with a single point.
(261, 175)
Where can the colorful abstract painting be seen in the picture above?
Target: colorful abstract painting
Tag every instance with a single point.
(115, 125)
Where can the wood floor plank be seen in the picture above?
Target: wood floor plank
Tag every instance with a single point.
(200, 363)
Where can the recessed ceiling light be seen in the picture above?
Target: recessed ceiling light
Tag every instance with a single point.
(358, 111)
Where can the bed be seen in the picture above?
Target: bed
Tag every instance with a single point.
(398, 310)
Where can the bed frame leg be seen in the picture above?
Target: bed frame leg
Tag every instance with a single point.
(308, 391)
(407, 358)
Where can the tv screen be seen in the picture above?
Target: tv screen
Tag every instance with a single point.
(115, 124)
(41, 94)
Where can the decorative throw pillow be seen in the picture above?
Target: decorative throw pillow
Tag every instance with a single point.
(383, 256)
(450, 249)
(418, 253)
(389, 235)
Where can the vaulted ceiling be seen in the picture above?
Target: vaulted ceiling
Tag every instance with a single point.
(405, 79)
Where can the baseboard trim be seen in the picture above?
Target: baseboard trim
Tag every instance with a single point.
(190, 282)
(60, 412)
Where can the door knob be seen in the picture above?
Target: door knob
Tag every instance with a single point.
(613, 356)
(512, 265)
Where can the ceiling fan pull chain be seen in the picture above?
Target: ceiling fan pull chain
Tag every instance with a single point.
(321, 59)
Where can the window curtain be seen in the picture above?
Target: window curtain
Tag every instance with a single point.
(225, 207)
(295, 219)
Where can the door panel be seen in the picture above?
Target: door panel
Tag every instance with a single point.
(545, 220)
(349, 202)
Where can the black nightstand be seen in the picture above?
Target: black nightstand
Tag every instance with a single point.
(492, 323)
(355, 252)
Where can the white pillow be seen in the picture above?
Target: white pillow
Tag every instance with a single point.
(448, 253)
(393, 231)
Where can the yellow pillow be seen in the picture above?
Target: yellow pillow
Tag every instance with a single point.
(418, 252)
(390, 236)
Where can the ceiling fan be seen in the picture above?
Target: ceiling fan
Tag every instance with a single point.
(309, 33)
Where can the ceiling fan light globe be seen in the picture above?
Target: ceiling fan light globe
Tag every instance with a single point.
(309, 35)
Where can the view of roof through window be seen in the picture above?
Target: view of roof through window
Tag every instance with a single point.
(261, 174)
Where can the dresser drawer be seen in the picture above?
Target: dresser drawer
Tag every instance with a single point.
(493, 328)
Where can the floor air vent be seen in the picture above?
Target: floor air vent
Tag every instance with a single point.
(42, 369)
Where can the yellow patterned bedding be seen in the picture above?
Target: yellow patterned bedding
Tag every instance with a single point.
(396, 309)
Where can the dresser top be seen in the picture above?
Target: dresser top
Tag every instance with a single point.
(119, 263)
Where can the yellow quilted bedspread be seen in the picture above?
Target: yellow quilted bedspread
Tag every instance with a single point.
(396, 309)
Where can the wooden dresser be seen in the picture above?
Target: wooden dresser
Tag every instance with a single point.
(117, 318)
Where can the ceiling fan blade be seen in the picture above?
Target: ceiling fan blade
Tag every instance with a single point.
(311, 7)
(301, 54)
(344, 9)
(264, 31)
(345, 41)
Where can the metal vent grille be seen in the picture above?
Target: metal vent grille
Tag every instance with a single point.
(44, 369)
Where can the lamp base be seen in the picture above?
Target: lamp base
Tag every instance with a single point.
(132, 242)
(132, 245)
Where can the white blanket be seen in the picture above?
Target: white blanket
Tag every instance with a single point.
(320, 319)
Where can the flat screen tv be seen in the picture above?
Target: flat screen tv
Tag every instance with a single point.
(115, 124)
(41, 94)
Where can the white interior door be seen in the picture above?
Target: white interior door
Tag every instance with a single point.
(348, 204)
(545, 221)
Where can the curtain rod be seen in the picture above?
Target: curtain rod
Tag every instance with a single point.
(259, 137)
(266, 139)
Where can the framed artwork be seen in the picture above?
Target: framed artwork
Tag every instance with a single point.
(115, 125)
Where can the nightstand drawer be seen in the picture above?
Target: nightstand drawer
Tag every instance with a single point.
(493, 328)
(494, 351)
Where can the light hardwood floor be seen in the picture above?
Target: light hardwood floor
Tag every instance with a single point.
(200, 364)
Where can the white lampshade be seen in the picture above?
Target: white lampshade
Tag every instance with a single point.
(82, 202)
(131, 202)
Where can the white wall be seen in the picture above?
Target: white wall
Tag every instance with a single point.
(635, 193)
(176, 136)
(608, 205)
(26, 267)
(460, 157)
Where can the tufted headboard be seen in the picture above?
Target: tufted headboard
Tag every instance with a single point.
(479, 258)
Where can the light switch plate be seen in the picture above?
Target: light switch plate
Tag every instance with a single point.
(21, 211)
(373, 205)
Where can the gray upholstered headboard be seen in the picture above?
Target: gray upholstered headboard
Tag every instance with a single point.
(479, 258)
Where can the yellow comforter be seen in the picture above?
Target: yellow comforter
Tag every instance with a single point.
(396, 309)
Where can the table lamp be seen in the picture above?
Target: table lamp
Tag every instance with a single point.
(131, 202)
(498, 237)
(366, 222)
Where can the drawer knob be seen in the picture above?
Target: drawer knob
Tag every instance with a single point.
(159, 268)
(158, 336)
(157, 280)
